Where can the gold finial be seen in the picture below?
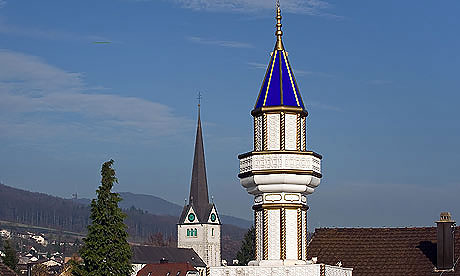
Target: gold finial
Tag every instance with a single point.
(279, 32)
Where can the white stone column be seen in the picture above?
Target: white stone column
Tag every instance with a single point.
(280, 173)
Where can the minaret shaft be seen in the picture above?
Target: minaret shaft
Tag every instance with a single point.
(280, 172)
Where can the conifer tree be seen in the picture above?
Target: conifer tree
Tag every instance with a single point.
(105, 250)
(247, 250)
(10, 259)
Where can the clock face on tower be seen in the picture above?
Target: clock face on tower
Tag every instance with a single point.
(191, 217)
(213, 217)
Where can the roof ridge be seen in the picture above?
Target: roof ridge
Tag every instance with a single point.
(370, 228)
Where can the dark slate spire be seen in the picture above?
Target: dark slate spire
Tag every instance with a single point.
(199, 186)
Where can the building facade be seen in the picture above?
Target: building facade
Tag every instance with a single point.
(199, 225)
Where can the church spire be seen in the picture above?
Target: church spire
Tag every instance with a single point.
(199, 186)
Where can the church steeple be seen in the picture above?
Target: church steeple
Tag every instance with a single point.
(199, 187)
(199, 223)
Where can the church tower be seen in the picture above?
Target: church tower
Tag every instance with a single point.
(199, 224)
(280, 171)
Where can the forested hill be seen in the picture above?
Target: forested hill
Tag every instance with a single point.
(158, 206)
(43, 210)
(40, 209)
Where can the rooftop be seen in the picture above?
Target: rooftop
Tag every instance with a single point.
(381, 251)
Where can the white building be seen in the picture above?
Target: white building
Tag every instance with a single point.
(280, 172)
(39, 239)
(199, 226)
(5, 234)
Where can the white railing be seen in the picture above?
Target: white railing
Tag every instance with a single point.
(279, 161)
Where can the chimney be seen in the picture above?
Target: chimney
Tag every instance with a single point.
(445, 242)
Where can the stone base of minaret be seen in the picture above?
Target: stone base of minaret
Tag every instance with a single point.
(281, 270)
(280, 220)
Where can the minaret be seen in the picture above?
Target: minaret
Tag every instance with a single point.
(199, 224)
(280, 172)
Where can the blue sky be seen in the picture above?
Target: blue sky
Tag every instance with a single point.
(380, 80)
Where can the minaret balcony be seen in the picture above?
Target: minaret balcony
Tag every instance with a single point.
(280, 171)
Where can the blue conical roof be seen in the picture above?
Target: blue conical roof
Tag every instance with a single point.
(279, 86)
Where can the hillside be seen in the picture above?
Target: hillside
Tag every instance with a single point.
(158, 206)
(42, 210)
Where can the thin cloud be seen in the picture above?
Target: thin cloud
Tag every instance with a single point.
(39, 100)
(311, 7)
(221, 43)
(257, 65)
(31, 32)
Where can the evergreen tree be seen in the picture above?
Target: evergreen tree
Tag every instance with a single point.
(10, 259)
(105, 250)
(247, 250)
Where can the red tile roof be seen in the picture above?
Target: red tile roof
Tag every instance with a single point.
(6, 271)
(381, 251)
(162, 269)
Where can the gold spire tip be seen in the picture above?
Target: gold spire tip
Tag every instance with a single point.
(279, 32)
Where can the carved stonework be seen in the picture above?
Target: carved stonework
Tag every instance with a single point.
(280, 161)
(305, 233)
(291, 233)
(291, 131)
(282, 131)
(299, 133)
(295, 270)
(299, 234)
(304, 134)
(264, 131)
(274, 234)
(258, 133)
(259, 234)
(279, 198)
(265, 238)
(283, 233)
(273, 132)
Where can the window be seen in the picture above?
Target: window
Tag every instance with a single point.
(188, 232)
(212, 232)
(195, 232)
